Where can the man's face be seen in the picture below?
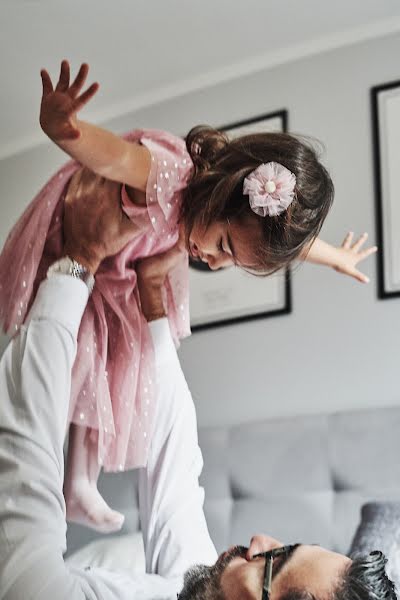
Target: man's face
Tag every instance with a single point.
(237, 576)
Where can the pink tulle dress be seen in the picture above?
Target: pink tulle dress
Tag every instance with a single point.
(113, 382)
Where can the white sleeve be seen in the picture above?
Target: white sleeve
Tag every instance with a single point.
(35, 379)
(170, 497)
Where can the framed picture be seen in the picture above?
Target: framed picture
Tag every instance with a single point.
(231, 295)
(386, 134)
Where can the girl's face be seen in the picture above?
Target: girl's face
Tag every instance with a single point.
(222, 244)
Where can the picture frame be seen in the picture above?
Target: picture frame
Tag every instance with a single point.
(227, 296)
(385, 109)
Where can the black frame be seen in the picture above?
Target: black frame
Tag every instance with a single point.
(269, 556)
(283, 114)
(287, 308)
(383, 294)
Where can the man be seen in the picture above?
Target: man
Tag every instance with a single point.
(35, 379)
(269, 570)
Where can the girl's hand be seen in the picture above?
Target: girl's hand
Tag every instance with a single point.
(60, 105)
(349, 255)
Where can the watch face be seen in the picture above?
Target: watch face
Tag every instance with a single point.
(68, 266)
(61, 266)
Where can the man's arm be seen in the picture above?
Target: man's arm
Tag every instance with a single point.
(171, 500)
(35, 380)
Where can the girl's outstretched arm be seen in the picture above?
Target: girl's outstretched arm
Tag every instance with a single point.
(101, 151)
(343, 259)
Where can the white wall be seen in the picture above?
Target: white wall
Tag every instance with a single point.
(339, 348)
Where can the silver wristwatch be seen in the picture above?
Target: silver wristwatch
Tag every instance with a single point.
(69, 266)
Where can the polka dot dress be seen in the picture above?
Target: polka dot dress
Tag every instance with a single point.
(113, 380)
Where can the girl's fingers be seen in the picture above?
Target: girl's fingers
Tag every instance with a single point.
(347, 240)
(360, 242)
(46, 82)
(368, 252)
(360, 276)
(63, 82)
(79, 80)
(85, 97)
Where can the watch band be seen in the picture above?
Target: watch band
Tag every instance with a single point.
(71, 267)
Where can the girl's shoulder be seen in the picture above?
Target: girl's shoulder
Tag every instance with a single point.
(171, 162)
(170, 172)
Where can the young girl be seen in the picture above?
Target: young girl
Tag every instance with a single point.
(258, 201)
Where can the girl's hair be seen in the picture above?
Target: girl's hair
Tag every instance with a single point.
(215, 191)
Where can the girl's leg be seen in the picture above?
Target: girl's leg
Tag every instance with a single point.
(84, 503)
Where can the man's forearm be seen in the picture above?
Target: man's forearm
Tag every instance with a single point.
(170, 497)
(152, 273)
(35, 379)
(151, 300)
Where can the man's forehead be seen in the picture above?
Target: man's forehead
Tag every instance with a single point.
(312, 569)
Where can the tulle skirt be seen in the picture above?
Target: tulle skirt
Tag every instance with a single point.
(113, 380)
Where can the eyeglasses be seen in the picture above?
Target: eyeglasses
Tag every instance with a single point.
(269, 556)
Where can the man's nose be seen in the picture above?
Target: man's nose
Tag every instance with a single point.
(262, 543)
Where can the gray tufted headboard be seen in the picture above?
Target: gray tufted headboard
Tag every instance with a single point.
(299, 479)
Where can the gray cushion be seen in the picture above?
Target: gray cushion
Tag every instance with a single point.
(280, 457)
(303, 518)
(363, 447)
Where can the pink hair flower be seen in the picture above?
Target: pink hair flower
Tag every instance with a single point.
(270, 188)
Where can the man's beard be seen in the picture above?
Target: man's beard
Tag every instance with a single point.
(204, 583)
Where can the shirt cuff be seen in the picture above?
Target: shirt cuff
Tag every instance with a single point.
(163, 343)
(61, 298)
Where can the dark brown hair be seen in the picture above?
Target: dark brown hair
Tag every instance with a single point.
(364, 579)
(215, 191)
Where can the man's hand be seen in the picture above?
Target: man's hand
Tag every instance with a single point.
(151, 274)
(94, 224)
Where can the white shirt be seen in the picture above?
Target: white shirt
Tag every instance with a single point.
(35, 380)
